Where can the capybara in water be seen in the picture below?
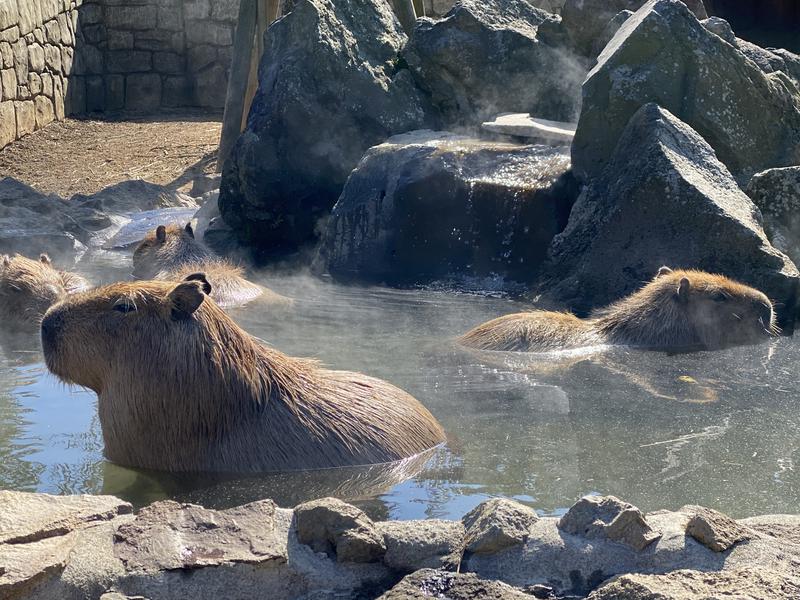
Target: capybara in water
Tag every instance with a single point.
(677, 310)
(171, 253)
(182, 388)
(29, 287)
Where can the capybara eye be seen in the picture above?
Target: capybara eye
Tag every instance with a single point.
(124, 307)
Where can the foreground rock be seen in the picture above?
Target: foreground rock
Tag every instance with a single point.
(777, 193)
(609, 519)
(664, 197)
(429, 583)
(663, 54)
(415, 545)
(430, 206)
(714, 530)
(490, 56)
(498, 524)
(329, 89)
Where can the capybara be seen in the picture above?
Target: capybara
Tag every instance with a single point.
(679, 310)
(29, 287)
(171, 253)
(181, 387)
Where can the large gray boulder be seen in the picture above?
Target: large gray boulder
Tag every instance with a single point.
(777, 193)
(330, 86)
(663, 54)
(491, 56)
(664, 198)
(430, 206)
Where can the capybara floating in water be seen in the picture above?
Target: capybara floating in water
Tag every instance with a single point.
(677, 310)
(182, 388)
(29, 287)
(172, 252)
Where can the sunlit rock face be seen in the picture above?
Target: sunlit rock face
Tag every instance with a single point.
(330, 86)
(663, 54)
(430, 206)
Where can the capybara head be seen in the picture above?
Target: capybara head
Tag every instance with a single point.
(164, 248)
(689, 309)
(28, 288)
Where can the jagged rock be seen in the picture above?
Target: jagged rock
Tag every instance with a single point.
(610, 30)
(337, 528)
(133, 196)
(330, 87)
(721, 28)
(663, 54)
(716, 531)
(482, 209)
(492, 56)
(497, 524)
(607, 517)
(429, 544)
(745, 584)
(664, 197)
(777, 193)
(429, 583)
(586, 20)
(203, 184)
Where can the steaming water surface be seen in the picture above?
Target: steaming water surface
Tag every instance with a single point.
(720, 429)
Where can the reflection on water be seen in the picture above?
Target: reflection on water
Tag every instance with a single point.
(720, 429)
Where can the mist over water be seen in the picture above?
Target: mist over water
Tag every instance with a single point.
(721, 429)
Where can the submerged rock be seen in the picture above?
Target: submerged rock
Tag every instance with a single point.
(432, 206)
(663, 54)
(491, 56)
(777, 193)
(663, 199)
(330, 87)
(429, 583)
(498, 524)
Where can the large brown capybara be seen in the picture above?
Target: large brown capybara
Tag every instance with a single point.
(182, 388)
(29, 287)
(678, 310)
(171, 253)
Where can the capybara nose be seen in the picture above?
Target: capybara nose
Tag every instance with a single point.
(51, 325)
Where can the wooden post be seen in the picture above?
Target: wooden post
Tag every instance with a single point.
(406, 14)
(237, 79)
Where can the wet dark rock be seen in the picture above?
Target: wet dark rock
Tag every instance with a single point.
(663, 54)
(609, 518)
(716, 531)
(430, 206)
(339, 529)
(664, 198)
(331, 86)
(497, 524)
(429, 544)
(429, 583)
(491, 56)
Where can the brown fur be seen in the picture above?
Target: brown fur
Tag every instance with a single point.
(182, 388)
(173, 252)
(677, 310)
(29, 287)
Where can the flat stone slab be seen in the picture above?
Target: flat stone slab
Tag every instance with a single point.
(523, 125)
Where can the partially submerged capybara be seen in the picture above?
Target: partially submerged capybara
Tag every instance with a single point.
(171, 253)
(677, 310)
(182, 388)
(29, 287)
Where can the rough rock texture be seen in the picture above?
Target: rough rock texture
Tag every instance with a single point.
(714, 530)
(586, 20)
(663, 54)
(777, 193)
(339, 529)
(609, 518)
(491, 56)
(429, 544)
(744, 584)
(133, 196)
(784, 527)
(497, 524)
(664, 198)
(481, 208)
(330, 88)
(429, 583)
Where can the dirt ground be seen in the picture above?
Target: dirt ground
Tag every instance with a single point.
(87, 155)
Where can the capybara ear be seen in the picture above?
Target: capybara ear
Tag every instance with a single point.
(161, 234)
(186, 298)
(663, 271)
(44, 259)
(188, 229)
(684, 287)
(201, 277)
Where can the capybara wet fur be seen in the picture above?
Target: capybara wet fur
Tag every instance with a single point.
(680, 310)
(182, 388)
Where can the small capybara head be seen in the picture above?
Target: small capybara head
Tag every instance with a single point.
(165, 248)
(28, 288)
(690, 309)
